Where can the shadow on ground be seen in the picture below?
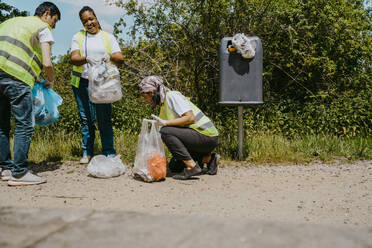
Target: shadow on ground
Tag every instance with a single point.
(45, 166)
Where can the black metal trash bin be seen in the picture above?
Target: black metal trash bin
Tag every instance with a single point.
(240, 78)
(240, 81)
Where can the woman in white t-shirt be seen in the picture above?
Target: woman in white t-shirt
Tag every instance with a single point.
(87, 46)
(189, 134)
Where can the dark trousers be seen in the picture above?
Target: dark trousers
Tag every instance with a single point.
(186, 143)
(87, 117)
(15, 98)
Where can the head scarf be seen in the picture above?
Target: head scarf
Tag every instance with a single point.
(154, 83)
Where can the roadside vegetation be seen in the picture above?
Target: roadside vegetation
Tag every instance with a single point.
(260, 148)
(317, 78)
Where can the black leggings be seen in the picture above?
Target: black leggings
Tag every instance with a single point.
(186, 143)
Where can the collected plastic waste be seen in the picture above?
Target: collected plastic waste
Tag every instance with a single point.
(45, 104)
(156, 168)
(150, 162)
(105, 167)
(104, 83)
(243, 45)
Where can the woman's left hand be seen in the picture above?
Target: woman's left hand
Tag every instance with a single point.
(106, 58)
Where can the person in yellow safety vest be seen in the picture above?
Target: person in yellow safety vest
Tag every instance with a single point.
(25, 45)
(88, 47)
(189, 134)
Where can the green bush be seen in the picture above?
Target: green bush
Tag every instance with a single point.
(317, 67)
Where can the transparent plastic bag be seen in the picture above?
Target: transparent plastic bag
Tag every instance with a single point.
(104, 83)
(244, 45)
(45, 104)
(150, 162)
(105, 167)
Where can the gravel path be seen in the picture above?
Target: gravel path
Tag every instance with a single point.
(335, 194)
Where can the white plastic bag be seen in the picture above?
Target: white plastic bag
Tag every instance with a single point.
(244, 45)
(45, 104)
(150, 163)
(104, 83)
(106, 167)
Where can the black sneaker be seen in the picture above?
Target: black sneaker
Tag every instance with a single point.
(213, 164)
(175, 167)
(187, 173)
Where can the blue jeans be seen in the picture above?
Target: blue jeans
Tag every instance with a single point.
(86, 112)
(15, 97)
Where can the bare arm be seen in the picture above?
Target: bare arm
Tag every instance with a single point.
(47, 64)
(77, 59)
(117, 58)
(186, 119)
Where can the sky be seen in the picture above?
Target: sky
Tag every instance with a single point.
(70, 22)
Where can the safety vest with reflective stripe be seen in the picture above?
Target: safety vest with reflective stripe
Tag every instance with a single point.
(202, 123)
(20, 52)
(76, 70)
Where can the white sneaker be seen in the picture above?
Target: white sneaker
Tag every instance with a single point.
(5, 175)
(85, 159)
(26, 179)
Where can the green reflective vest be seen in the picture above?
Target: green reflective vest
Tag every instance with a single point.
(202, 123)
(76, 70)
(20, 52)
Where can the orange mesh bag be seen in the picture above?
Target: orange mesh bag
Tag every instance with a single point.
(150, 161)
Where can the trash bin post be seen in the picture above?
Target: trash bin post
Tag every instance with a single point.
(240, 132)
(240, 81)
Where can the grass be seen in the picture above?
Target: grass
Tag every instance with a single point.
(260, 148)
(267, 148)
(51, 146)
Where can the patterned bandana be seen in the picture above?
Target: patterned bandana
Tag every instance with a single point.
(153, 83)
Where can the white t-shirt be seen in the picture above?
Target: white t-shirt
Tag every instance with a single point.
(45, 35)
(177, 103)
(95, 47)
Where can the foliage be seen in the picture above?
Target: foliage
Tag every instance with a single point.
(317, 65)
(7, 11)
(316, 57)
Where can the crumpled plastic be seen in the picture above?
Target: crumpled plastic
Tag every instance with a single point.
(104, 83)
(102, 166)
(45, 103)
(156, 168)
(150, 163)
(244, 45)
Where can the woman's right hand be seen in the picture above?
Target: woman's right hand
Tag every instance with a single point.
(159, 121)
(77, 59)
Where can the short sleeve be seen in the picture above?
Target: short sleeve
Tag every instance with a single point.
(178, 103)
(45, 35)
(114, 44)
(74, 43)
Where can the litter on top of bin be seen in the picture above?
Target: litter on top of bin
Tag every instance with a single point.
(244, 45)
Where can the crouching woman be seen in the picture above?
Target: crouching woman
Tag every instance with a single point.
(189, 134)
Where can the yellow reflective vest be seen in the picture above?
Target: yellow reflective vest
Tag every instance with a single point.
(20, 52)
(76, 70)
(202, 123)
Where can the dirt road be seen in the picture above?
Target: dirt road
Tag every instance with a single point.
(338, 194)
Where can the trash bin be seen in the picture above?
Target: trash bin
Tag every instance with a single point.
(240, 78)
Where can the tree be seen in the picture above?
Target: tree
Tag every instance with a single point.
(7, 11)
(316, 53)
(309, 46)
